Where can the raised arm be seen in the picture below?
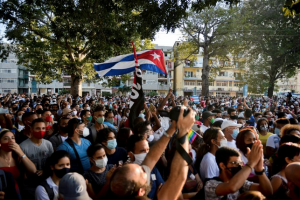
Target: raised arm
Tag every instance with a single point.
(179, 167)
(163, 103)
(159, 147)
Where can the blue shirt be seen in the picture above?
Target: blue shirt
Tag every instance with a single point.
(81, 150)
(156, 180)
(120, 154)
(110, 125)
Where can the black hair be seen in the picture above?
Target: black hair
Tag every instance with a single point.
(281, 115)
(141, 128)
(62, 118)
(230, 110)
(26, 115)
(286, 150)
(83, 112)
(108, 112)
(132, 140)
(54, 159)
(209, 134)
(93, 148)
(123, 136)
(257, 114)
(38, 120)
(223, 155)
(216, 111)
(290, 138)
(72, 125)
(102, 135)
(45, 110)
(3, 132)
(247, 113)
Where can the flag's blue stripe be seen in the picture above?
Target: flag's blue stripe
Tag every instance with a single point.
(104, 66)
(152, 67)
(115, 72)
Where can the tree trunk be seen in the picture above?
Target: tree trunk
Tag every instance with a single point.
(271, 88)
(76, 85)
(205, 73)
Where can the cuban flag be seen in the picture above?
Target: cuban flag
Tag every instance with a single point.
(195, 99)
(152, 60)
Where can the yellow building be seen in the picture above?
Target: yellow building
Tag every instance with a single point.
(223, 82)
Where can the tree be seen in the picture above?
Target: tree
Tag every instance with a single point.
(209, 33)
(272, 44)
(124, 89)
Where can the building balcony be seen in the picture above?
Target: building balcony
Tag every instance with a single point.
(24, 85)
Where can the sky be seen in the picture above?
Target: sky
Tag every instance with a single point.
(162, 38)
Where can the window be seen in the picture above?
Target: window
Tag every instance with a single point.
(8, 80)
(221, 83)
(189, 83)
(188, 74)
(223, 73)
(199, 83)
(236, 84)
(144, 81)
(211, 83)
(8, 71)
(230, 83)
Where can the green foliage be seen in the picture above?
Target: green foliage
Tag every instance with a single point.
(271, 44)
(64, 91)
(125, 89)
(291, 8)
(152, 93)
(106, 94)
(212, 31)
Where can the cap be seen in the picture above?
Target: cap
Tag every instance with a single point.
(66, 111)
(73, 187)
(207, 114)
(227, 123)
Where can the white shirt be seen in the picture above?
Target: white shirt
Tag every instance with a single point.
(273, 141)
(203, 128)
(231, 144)
(63, 138)
(208, 166)
(193, 155)
(41, 194)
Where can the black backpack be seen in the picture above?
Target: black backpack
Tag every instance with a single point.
(49, 190)
(201, 193)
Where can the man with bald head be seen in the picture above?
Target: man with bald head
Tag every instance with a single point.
(292, 173)
(134, 180)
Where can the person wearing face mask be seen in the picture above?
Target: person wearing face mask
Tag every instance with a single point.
(62, 134)
(19, 125)
(257, 117)
(208, 119)
(138, 148)
(76, 146)
(115, 155)
(27, 119)
(38, 150)
(287, 153)
(98, 176)
(233, 176)
(263, 132)
(245, 140)
(86, 107)
(58, 166)
(232, 114)
(8, 162)
(48, 118)
(109, 120)
(292, 172)
(274, 140)
(98, 116)
(86, 117)
(230, 130)
(206, 161)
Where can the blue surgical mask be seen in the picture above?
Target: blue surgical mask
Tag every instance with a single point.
(111, 144)
(277, 131)
(80, 105)
(142, 116)
(235, 133)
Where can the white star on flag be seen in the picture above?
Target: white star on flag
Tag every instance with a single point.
(155, 56)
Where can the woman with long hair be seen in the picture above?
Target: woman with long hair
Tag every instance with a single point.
(287, 153)
(12, 158)
(206, 161)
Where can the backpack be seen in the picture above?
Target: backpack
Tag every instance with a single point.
(201, 193)
(49, 190)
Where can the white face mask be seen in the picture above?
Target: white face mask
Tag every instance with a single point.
(87, 108)
(223, 143)
(85, 132)
(20, 118)
(74, 112)
(139, 158)
(68, 106)
(101, 162)
(150, 138)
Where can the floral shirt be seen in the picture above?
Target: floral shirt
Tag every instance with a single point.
(210, 190)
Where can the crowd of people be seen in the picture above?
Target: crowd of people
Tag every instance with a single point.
(73, 147)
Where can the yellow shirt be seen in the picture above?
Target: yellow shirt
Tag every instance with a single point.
(263, 139)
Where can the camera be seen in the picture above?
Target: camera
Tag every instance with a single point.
(174, 113)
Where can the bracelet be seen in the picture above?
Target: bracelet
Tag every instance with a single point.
(166, 134)
(24, 156)
(249, 166)
(260, 173)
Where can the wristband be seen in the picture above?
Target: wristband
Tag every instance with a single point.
(166, 134)
(24, 156)
(261, 172)
(249, 166)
